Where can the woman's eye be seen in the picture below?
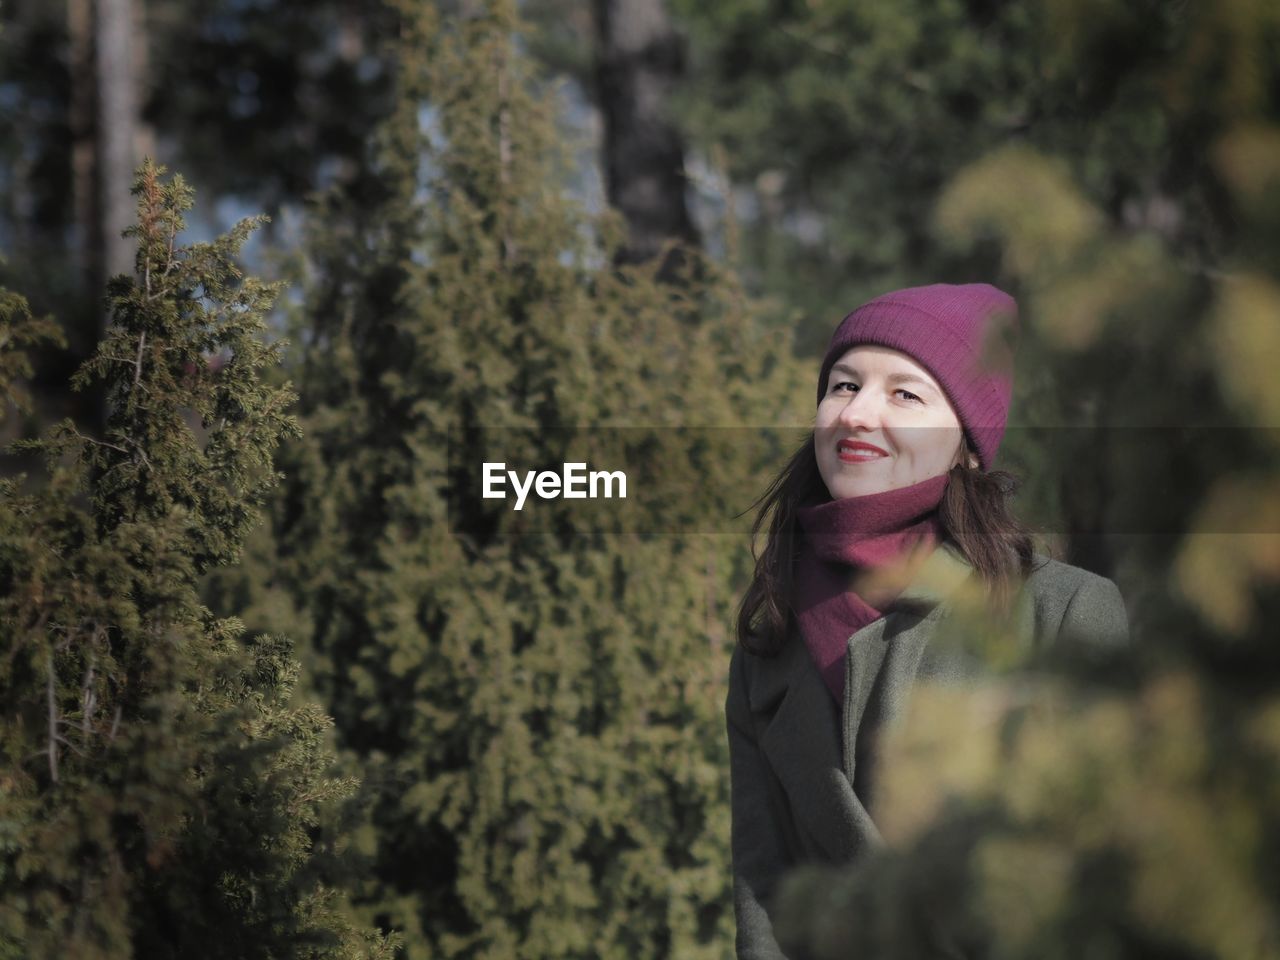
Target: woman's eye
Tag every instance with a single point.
(844, 383)
(910, 395)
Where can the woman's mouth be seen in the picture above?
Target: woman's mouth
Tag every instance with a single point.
(855, 451)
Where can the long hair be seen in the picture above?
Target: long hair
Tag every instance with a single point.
(974, 512)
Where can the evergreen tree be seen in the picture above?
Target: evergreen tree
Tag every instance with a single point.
(159, 788)
(539, 715)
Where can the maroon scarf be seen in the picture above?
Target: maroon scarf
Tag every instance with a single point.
(843, 537)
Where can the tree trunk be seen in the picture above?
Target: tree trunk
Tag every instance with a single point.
(84, 149)
(116, 67)
(106, 62)
(638, 61)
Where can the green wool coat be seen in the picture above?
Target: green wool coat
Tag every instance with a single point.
(799, 766)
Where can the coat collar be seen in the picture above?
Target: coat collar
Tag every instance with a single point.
(935, 584)
(810, 742)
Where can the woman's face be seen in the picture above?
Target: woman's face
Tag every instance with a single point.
(884, 422)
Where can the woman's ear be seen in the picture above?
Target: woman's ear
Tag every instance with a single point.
(965, 456)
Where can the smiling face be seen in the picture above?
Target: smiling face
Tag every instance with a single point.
(884, 422)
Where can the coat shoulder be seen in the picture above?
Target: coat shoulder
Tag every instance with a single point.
(1049, 576)
(1076, 606)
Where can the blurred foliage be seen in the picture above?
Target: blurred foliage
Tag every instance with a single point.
(36, 194)
(265, 100)
(268, 100)
(160, 795)
(1036, 819)
(843, 121)
(1030, 813)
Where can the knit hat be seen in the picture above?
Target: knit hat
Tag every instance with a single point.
(965, 335)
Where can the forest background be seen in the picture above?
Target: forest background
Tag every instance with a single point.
(274, 687)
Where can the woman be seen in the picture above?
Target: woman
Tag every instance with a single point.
(886, 511)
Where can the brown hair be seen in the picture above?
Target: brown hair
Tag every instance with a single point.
(975, 515)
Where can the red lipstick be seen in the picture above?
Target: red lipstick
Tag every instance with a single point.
(858, 451)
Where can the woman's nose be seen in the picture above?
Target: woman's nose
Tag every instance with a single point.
(860, 411)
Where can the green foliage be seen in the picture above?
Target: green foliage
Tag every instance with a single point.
(19, 330)
(158, 787)
(538, 717)
(841, 120)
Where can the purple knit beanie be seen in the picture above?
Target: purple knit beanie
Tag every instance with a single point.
(964, 334)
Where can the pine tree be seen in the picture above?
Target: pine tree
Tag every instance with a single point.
(539, 716)
(159, 787)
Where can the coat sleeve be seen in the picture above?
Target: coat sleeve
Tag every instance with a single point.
(758, 847)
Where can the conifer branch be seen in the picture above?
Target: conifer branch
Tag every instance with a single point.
(106, 356)
(53, 719)
(138, 450)
(88, 699)
(142, 454)
(69, 745)
(137, 363)
(169, 261)
(100, 443)
(115, 725)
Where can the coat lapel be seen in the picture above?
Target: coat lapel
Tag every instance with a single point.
(801, 741)
(820, 752)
